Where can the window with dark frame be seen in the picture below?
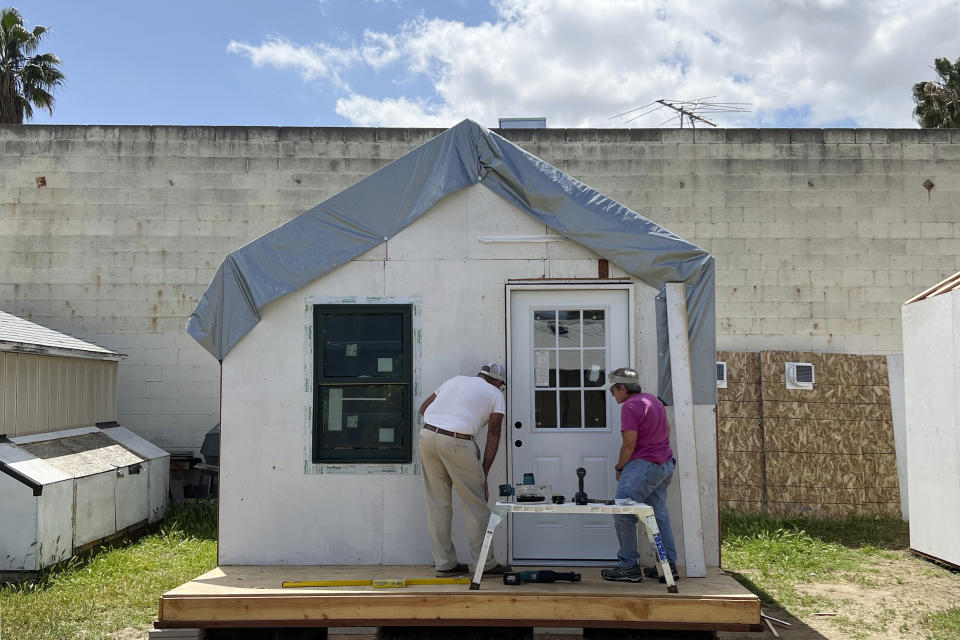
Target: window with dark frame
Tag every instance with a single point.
(363, 383)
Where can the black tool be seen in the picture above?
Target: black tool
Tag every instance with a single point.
(530, 498)
(558, 499)
(580, 497)
(544, 575)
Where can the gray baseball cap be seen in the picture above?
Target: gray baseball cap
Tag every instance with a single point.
(623, 375)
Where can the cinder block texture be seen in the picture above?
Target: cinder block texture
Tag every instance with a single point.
(819, 235)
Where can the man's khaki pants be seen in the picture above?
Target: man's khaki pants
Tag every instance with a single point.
(452, 463)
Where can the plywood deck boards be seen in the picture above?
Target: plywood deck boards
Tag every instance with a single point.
(247, 595)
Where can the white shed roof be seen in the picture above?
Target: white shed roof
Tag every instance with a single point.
(18, 334)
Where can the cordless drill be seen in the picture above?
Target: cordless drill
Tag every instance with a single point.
(543, 575)
(580, 497)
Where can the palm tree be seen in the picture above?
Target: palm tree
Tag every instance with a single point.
(938, 103)
(26, 80)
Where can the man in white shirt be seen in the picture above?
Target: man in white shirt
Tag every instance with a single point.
(453, 415)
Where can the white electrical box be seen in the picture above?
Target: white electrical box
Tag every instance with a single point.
(799, 375)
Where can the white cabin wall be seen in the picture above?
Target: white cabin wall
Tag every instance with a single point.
(271, 511)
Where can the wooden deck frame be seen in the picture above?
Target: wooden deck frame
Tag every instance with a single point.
(236, 597)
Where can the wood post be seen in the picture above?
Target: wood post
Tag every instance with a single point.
(686, 432)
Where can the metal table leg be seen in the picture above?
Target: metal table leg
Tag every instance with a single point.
(495, 519)
(663, 566)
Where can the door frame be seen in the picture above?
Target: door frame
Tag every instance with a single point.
(565, 285)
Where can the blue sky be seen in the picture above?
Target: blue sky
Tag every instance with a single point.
(798, 63)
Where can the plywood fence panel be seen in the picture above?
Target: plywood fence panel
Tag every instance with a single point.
(740, 433)
(827, 451)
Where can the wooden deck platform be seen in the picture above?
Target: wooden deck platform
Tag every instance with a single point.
(252, 596)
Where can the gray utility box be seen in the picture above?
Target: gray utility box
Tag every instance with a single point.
(64, 491)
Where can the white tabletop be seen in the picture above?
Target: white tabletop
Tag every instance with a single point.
(624, 506)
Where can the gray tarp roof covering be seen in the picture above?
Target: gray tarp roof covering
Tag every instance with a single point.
(381, 205)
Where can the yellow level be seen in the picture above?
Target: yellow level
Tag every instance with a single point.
(379, 583)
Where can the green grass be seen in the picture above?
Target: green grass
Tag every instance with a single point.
(114, 587)
(943, 624)
(771, 555)
(859, 532)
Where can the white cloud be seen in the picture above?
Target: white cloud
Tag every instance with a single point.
(317, 61)
(578, 63)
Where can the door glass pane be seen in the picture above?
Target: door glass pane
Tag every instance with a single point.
(545, 409)
(594, 367)
(363, 346)
(544, 328)
(569, 369)
(594, 329)
(595, 409)
(570, 410)
(362, 417)
(568, 328)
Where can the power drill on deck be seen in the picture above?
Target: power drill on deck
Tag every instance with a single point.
(544, 575)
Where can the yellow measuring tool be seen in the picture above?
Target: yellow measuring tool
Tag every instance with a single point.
(379, 583)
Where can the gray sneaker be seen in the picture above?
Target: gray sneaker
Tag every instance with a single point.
(633, 574)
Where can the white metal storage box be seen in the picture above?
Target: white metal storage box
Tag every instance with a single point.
(63, 491)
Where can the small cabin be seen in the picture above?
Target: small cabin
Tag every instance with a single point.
(333, 328)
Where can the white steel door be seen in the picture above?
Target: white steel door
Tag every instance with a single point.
(562, 343)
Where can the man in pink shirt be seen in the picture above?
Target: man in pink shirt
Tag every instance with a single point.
(644, 470)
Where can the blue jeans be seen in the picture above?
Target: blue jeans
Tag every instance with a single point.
(643, 481)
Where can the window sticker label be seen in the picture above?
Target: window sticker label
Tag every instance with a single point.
(353, 421)
(351, 350)
(541, 368)
(386, 435)
(335, 410)
(385, 365)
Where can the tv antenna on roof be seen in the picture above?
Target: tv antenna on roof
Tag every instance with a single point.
(688, 109)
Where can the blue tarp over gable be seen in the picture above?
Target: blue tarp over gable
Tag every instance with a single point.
(381, 205)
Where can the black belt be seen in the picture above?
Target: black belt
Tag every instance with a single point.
(444, 432)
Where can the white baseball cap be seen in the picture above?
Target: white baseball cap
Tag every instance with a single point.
(494, 370)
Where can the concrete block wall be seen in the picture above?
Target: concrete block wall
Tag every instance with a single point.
(111, 233)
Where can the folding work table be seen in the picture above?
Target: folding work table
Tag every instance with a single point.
(644, 513)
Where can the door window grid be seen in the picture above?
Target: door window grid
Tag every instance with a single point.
(569, 368)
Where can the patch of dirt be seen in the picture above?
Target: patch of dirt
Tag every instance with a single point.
(131, 633)
(885, 601)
